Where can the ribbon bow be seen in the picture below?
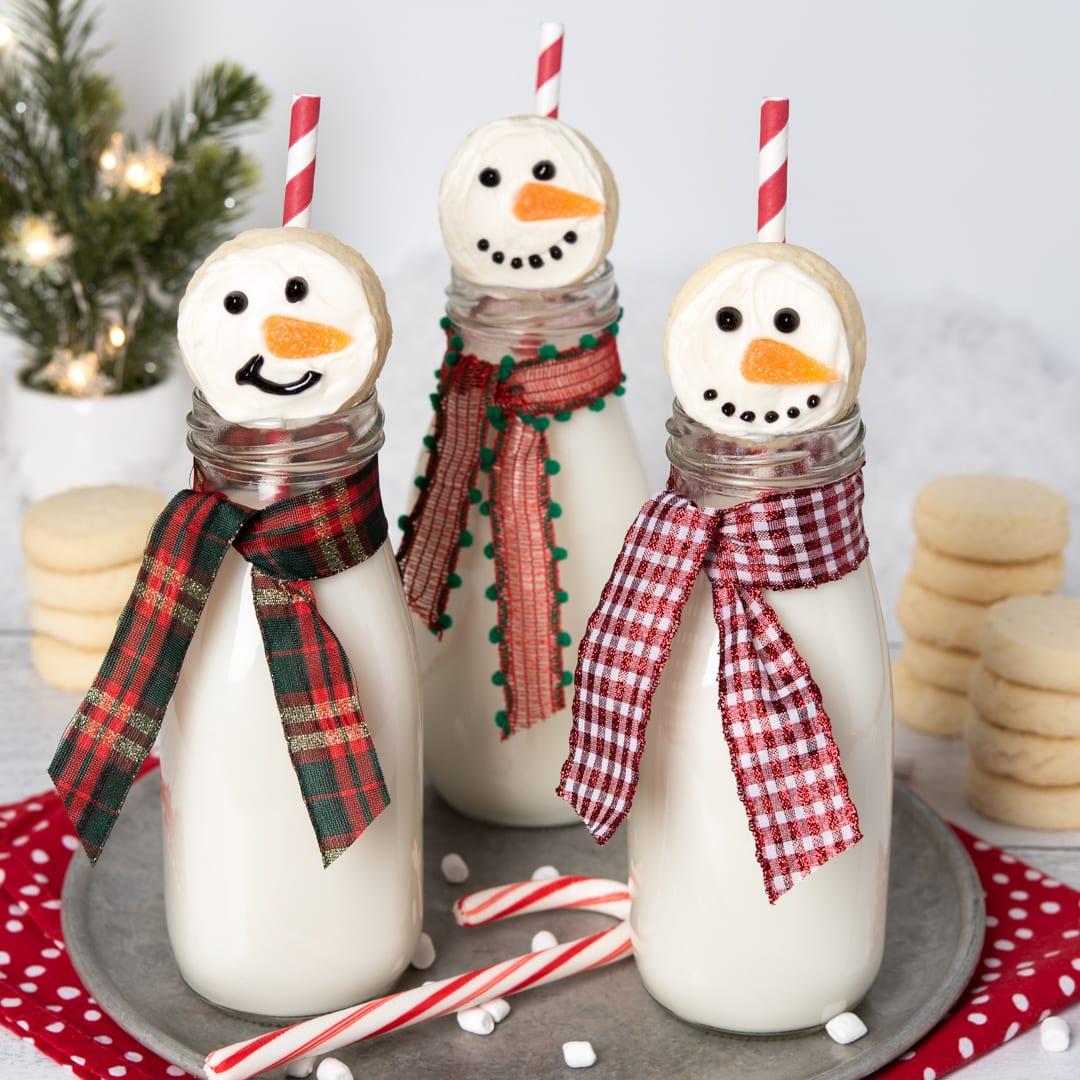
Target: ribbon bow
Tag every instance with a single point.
(493, 419)
(288, 544)
(787, 766)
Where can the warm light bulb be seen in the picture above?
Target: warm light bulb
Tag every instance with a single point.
(78, 374)
(7, 35)
(135, 176)
(40, 249)
(117, 336)
(107, 160)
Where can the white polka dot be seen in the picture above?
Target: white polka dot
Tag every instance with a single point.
(982, 999)
(1013, 1028)
(78, 1060)
(1074, 963)
(992, 920)
(1019, 894)
(22, 1024)
(20, 841)
(68, 993)
(1043, 1015)
(1032, 875)
(41, 879)
(28, 987)
(133, 1055)
(1025, 972)
(105, 1040)
(981, 845)
(55, 1027)
(92, 1015)
(70, 842)
(1024, 933)
(5, 959)
(30, 890)
(172, 1070)
(992, 976)
(21, 908)
(929, 1074)
(13, 926)
(1004, 945)
(1071, 933)
(39, 856)
(1007, 859)
(1000, 879)
(118, 1070)
(35, 805)
(977, 1018)
(55, 1008)
(1067, 984)
(1051, 907)
(1050, 883)
(51, 905)
(1020, 1001)
(907, 1055)
(1026, 964)
(992, 962)
(34, 971)
(1017, 913)
(51, 954)
(10, 1003)
(965, 1047)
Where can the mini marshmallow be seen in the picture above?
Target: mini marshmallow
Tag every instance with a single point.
(544, 939)
(424, 954)
(332, 1069)
(1054, 1035)
(544, 873)
(476, 1021)
(845, 1028)
(301, 1067)
(579, 1055)
(454, 868)
(497, 1008)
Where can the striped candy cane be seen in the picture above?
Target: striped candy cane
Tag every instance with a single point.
(325, 1034)
(300, 167)
(549, 69)
(772, 171)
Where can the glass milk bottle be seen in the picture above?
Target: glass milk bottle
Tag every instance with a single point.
(709, 946)
(257, 925)
(512, 781)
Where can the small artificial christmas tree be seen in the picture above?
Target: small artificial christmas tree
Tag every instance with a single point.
(99, 231)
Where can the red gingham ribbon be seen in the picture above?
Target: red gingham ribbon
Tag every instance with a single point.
(787, 767)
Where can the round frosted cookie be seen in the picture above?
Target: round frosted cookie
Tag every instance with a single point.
(949, 669)
(64, 666)
(1035, 640)
(940, 620)
(991, 518)
(86, 629)
(90, 528)
(983, 582)
(925, 707)
(1005, 799)
(1024, 708)
(94, 590)
(1032, 759)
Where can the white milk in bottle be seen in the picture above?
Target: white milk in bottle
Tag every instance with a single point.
(528, 209)
(284, 331)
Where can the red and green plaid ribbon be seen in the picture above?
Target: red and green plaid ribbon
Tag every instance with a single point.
(288, 544)
(493, 419)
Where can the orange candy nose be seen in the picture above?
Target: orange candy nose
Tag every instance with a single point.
(769, 361)
(545, 202)
(297, 339)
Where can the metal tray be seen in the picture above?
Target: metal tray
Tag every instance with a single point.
(114, 925)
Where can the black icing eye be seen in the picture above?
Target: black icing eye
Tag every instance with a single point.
(544, 170)
(728, 319)
(236, 302)
(786, 320)
(296, 288)
(490, 177)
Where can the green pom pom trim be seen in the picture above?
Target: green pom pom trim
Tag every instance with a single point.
(489, 551)
(491, 592)
(548, 352)
(457, 343)
(498, 678)
(475, 495)
(563, 416)
(429, 441)
(567, 678)
(554, 510)
(487, 456)
(453, 580)
(434, 398)
(445, 323)
(551, 466)
(597, 405)
(541, 423)
(421, 482)
(502, 721)
(445, 621)
(465, 538)
(494, 635)
(485, 508)
(613, 329)
(620, 390)
(562, 596)
(403, 521)
(622, 377)
(493, 412)
(506, 366)
(452, 358)
(563, 638)
(558, 554)
(588, 341)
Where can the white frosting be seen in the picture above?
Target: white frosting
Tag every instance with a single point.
(471, 213)
(216, 344)
(702, 358)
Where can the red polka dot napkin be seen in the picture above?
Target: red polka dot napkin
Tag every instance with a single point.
(1029, 968)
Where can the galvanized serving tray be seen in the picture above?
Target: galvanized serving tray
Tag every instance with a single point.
(114, 924)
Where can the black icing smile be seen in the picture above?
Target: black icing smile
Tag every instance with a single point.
(250, 374)
(535, 261)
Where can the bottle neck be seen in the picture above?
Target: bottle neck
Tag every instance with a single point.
(260, 463)
(717, 470)
(497, 322)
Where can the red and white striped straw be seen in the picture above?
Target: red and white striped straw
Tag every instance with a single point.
(300, 167)
(325, 1034)
(772, 171)
(549, 69)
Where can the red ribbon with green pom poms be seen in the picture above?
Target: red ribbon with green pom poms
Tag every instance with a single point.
(493, 419)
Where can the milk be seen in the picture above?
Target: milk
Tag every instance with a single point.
(708, 944)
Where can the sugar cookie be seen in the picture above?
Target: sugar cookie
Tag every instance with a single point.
(1024, 708)
(64, 666)
(90, 528)
(86, 629)
(1035, 640)
(93, 590)
(925, 707)
(991, 518)
(949, 669)
(1032, 759)
(982, 582)
(1005, 799)
(940, 620)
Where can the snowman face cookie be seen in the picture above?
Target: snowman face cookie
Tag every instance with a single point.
(527, 203)
(766, 339)
(283, 324)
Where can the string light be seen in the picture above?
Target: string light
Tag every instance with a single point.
(74, 374)
(117, 336)
(35, 243)
(136, 170)
(7, 35)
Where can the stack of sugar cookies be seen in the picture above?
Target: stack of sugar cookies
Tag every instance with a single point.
(83, 548)
(980, 539)
(1024, 736)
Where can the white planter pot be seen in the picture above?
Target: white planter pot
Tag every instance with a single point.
(55, 442)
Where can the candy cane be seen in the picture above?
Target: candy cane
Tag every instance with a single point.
(549, 69)
(300, 166)
(325, 1034)
(772, 171)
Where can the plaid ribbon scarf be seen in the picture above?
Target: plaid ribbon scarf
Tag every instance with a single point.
(493, 419)
(288, 544)
(786, 764)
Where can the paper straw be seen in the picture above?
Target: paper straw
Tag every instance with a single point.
(325, 1034)
(549, 69)
(772, 171)
(300, 167)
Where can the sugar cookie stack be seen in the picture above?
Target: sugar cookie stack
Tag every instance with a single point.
(980, 539)
(1024, 736)
(83, 549)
